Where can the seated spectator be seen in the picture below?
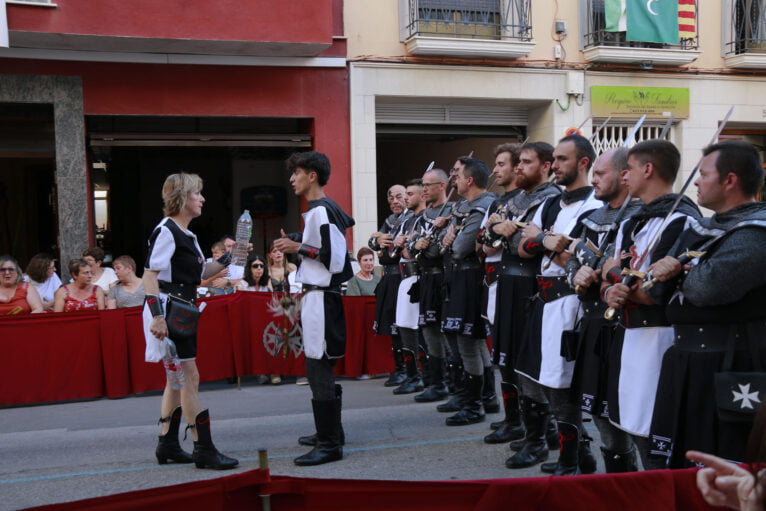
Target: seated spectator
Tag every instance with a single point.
(102, 277)
(82, 293)
(364, 282)
(16, 296)
(256, 275)
(128, 291)
(281, 271)
(41, 273)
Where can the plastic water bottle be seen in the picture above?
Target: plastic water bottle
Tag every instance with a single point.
(173, 368)
(239, 252)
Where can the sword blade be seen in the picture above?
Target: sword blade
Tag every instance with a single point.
(666, 128)
(633, 131)
(600, 127)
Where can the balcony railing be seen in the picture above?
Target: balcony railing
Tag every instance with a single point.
(747, 29)
(470, 19)
(596, 35)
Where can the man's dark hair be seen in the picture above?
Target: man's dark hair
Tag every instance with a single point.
(510, 147)
(619, 159)
(543, 150)
(741, 159)
(660, 153)
(583, 148)
(311, 161)
(475, 168)
(414, 182)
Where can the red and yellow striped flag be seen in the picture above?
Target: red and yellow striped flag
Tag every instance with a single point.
(687, 19)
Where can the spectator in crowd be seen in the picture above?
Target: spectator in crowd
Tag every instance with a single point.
(16, 296)
(218, 249)
(281, 270)
(102, 276)
(256, 275)
(363, 283)
(41, 273)
(82, 293)
(128, 291)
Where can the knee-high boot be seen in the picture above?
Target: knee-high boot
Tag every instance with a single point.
(438, 389)
(328, 447)
(620, 461)
(205, 454)
(413, 383)
(311, 440)
(399, 375)
(458, 376)
(533, 449)
(168, 447)
(472, 410)
(512, 428)
(585, 459)
(489, 392)
(569, 452)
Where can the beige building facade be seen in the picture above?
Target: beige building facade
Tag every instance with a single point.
(434, 79)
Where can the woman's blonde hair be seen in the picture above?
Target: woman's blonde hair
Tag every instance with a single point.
(176, 190)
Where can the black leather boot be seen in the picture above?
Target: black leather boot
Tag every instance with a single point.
(533, 449)
(472, 410)
(587, 461)
(328, 447)
(168, 447)
(437, 391)
(489, 392)
(568, 463)
(512, 428)
(620, 461)
(423, 357)
(205, 454)
(414, 382)
(455, 403)
(311, 440)
(552, 433)
(400, 374)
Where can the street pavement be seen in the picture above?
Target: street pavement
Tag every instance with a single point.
(70, 451)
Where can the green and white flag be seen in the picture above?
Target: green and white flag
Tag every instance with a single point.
(616, 15)
(653, 21)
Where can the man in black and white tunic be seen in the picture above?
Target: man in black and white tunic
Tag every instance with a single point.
(717, 313)
(407, 309)
(517, 283)
(462, 320)
(595, 234)
(644, 333)
(430, 297)
(388, 287)
(545, 373)
(325, 266)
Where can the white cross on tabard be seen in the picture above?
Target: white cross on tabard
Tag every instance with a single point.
(746, 396)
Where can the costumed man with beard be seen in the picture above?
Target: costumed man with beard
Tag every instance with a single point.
(462, 320)
(545, 373)
(326, 265)
(490, 243)
(644, 333)
(407, 309)
(426, 250)
(388, 287)
(516, 283)
(595, 234)
(717, 314)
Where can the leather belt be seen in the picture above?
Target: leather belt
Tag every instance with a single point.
(643, 316)
(409, 269)
(184, 290)
(467, 266)
(391, 269)
(593, 308)
(306, 288)
(553, 288)
(519, 268)
(431, 270)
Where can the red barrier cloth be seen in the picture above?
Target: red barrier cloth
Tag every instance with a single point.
(80, 355)
(638, 491)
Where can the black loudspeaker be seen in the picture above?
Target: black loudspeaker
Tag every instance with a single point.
(264, 201)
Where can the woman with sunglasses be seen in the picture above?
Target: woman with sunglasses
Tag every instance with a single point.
(16, 297)
(256, 275)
